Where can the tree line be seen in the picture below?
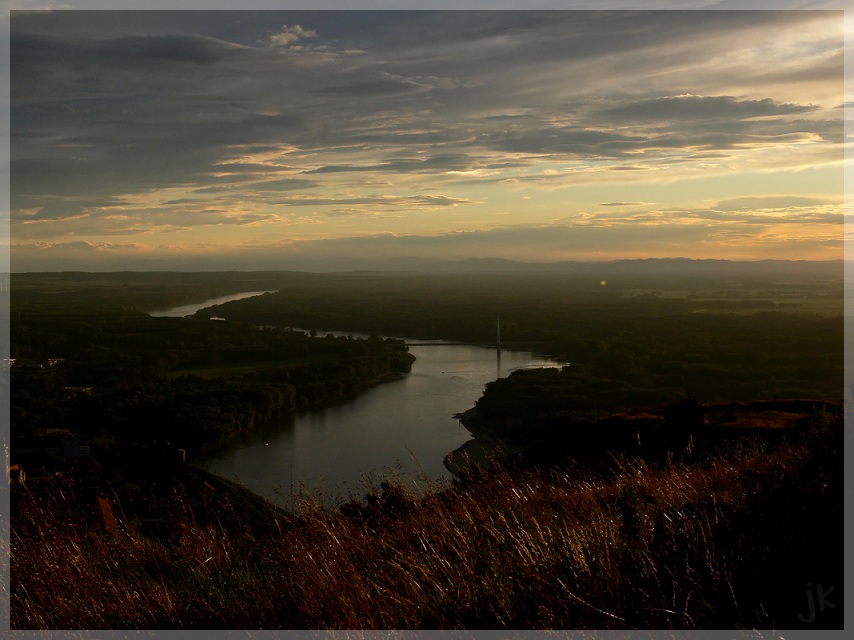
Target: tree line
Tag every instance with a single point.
(196, 383)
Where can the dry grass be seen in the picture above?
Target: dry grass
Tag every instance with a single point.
(645, 547)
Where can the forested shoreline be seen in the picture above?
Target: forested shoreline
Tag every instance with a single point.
(632, 339)
(732, 332)
(196, 383)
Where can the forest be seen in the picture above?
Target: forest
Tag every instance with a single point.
(89, 361)
(632, 337)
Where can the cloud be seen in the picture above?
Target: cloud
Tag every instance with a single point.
(159, 53)
(623, 204)
(289, 35)
(384, 86)
(166, 51)
(120, 158)
(686, 108)
(377, 200)
(781, 201)
(80, 246)
(148, 122)
(59, 211)
(731, 216)
(69, 219)
(440, 163)
(282, 184)
(564, 140)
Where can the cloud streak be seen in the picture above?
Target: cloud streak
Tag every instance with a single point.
(147, 123)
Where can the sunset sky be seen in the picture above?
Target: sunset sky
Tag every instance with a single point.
(298, 139)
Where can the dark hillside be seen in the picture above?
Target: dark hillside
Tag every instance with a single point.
(733, 543)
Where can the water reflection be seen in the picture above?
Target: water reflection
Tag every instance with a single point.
(190, 309)
(403, 428)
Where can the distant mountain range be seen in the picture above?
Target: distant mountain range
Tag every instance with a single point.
(831, 268)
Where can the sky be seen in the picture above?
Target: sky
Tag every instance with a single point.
(210, 140)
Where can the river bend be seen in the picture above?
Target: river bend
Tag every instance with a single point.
(403, 428)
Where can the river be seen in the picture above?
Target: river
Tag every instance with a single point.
(404, 428)
(190, 309)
